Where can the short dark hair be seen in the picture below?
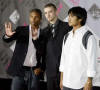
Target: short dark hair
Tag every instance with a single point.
(37, 11)
(50, 5)
(80, 13)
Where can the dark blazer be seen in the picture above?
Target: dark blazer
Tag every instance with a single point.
(54, 47)
(22, 40)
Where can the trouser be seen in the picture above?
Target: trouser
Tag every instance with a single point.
(53, 82)
(66, 88)
(29, 82)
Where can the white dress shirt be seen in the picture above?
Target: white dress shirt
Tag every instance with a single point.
(30, 59)
(78, 63)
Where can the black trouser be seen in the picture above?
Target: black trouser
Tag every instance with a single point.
(53, 83)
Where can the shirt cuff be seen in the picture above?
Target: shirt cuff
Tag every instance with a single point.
(6, 37)
(61, 68)
(91, 73)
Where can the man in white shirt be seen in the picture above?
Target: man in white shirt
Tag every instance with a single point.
(78, 64)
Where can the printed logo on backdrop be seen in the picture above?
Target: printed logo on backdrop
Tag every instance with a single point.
(14, 17)
(95, 11)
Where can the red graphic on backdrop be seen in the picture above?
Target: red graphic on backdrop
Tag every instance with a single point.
(25, 24)
(75, 2)
(59, 8)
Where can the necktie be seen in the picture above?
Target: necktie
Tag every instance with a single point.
(53, 30)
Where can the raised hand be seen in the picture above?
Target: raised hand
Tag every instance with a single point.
(8, 29)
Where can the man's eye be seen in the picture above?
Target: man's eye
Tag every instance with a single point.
(72, 15)
(45, 13)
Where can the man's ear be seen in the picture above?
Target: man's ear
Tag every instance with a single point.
(57, 12)
(80, 20)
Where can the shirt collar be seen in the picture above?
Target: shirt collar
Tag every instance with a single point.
(79, 30)
(38, 30)
(56, 23)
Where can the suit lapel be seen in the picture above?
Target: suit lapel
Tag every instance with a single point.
(57, 28)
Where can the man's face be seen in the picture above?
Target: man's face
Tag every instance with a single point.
(50, 13)
(73, 20)
(35, 18)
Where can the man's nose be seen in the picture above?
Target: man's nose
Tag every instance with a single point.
(68, 19)
(48, 15)
(33, 19)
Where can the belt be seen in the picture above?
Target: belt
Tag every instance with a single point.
(28, 68)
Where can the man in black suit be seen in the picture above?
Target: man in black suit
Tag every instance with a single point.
(26, 64)
(54, 33)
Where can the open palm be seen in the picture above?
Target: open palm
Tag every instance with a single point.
(8, 29)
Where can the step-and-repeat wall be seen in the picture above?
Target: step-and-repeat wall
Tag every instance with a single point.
(17, 12)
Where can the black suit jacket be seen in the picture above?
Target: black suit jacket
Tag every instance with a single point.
(22, 40)
(54, 47)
